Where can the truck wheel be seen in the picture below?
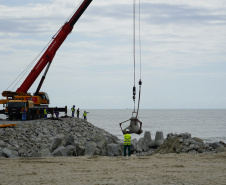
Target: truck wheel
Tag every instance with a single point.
(10, 117)
(28, 116)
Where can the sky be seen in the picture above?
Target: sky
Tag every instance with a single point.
(183, 52)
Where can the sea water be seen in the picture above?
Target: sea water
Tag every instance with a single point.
(208, 124)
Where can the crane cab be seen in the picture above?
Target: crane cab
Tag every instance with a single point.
(44, 97)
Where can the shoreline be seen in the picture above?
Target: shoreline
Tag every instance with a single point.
(78, 137)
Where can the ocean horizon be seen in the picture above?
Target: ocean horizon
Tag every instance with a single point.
(207, 124)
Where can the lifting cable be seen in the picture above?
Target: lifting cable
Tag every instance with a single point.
(134, 57)
(21, 75)
(134, 52)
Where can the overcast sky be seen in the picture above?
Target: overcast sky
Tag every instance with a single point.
(183, 46)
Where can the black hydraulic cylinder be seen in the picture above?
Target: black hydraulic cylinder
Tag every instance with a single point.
(79, 12)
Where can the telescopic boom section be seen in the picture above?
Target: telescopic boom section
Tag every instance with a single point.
(50, 52)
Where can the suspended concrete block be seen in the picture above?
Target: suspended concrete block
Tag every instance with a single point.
(159, 139)
(134, 126)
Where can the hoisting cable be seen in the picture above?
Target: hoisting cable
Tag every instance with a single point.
(134, 122)
(76, 8)
(139, 40)
(140, 82)
(21, 75)
(134, 52)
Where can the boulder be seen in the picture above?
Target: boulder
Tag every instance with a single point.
(221, 142)
(2, 132)
(70, 140)
(55, 144)
(71, 150)
(1, 154)
(221, 149)
(45, 153)
(80, 149)
(111, 139)
(139, 149)
(60, 151)
(143, 143)
(114, 149)
(185, 135)
(91, 149)
(216, 145)
(134, 145)
(2, 144)
(192, 152)
(101, 145)
(198, 139)
(172, 144)
(183, 143)
(7, 153)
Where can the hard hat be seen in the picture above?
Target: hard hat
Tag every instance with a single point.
(127, 130)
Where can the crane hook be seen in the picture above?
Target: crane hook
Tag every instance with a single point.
(134, 93)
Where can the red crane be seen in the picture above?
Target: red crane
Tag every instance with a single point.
(45, 61)
(38, 102)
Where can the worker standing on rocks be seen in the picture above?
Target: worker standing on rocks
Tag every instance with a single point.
(73, 110)
(57, 114)
(127, 143)
(77, 112)
(85, 114)
(45, 113)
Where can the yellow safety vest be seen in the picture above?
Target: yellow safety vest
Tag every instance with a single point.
(84, 114)
(45, 111)
(127, 139)
(72, 109)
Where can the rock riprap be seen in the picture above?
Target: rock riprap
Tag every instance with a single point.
(77, 137)
(64, 137)
(184, 143)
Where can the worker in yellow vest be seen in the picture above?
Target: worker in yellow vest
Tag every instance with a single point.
(45, 113)
(73, 110)
(127, 143)
(85, 115)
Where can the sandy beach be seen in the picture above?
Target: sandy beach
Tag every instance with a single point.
(156, 169)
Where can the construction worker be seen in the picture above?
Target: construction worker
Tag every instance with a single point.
(24, 113)
(127, 143)
(45, 113)
(73, 110)
(77, 112)
(56, 114)
(85, 114)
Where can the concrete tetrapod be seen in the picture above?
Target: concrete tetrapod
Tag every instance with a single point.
(159, 139)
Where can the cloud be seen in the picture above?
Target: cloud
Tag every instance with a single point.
(181, 41)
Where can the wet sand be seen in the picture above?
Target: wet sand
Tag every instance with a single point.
(156, 169)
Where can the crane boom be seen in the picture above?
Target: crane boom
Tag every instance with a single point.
(36, 105)
(50, 52)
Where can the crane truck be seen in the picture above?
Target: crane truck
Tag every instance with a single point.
(36, 103)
